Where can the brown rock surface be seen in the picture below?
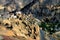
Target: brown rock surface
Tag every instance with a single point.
(14, 28)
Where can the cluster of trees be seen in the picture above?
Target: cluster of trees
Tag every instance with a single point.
(50, 27)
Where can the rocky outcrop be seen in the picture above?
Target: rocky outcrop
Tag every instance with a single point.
(19, 27)
(13, 24)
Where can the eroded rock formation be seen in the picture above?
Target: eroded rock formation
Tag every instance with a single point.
(20, 27)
